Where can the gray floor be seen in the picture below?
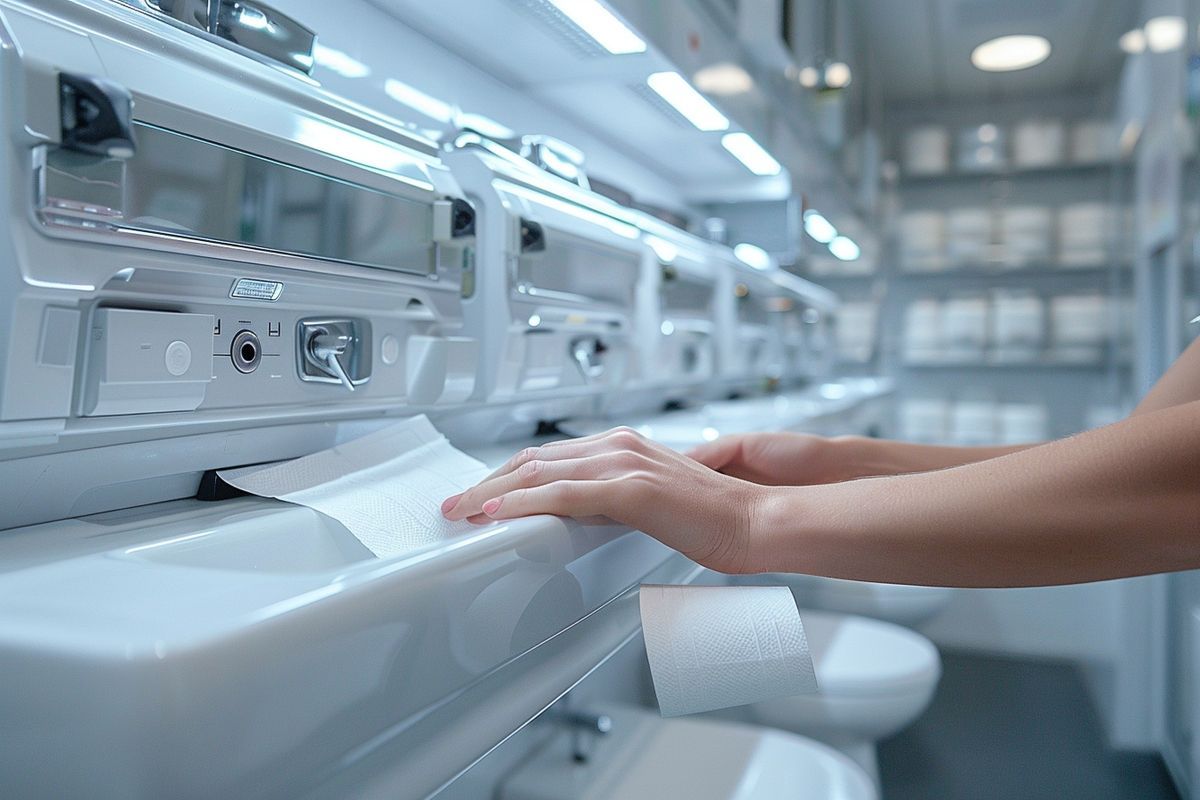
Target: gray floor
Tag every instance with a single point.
(1006, 728)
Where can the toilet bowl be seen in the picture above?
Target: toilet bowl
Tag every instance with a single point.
(874, 678)
(903, 605)
(646, 757)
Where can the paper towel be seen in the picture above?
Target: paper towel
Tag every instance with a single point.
(386, 488)
(718, 646)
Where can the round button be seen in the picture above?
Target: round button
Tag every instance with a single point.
(178, 358)
(389, 349)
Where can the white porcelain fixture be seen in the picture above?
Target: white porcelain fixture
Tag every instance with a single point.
(874, 679)
(645, 757)
(891, 602)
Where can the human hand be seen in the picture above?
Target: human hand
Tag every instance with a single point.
(621, 475)
(775, 459)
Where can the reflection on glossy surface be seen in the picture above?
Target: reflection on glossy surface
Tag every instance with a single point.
(184, 186)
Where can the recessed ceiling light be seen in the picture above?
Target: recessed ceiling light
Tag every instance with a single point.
(674, 88)
(602, 25)
(752, 155)
(1164, 34)
(1133, 42)
(1010, 53)
(724, 79)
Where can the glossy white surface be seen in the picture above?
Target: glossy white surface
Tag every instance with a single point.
(903, 605)
(874, 678)
(253, 648)
(650, 758)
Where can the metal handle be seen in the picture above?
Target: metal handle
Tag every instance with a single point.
(586, 352)
(255, 26)
(325, 348)
(261, 28)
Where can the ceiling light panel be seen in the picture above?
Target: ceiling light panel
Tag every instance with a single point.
(752, 155)
(1011, 53)
(674, 88)
(602, 25)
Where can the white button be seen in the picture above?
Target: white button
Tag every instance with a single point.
(389, 349)
(178, 358)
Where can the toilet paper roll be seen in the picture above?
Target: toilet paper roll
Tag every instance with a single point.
(718, 646)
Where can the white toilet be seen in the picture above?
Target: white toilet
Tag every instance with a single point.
(903, 605)
(646, 757)
(874, 678)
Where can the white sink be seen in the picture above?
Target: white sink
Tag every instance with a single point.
(251, 648)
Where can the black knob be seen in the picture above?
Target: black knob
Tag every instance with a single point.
(97, 116)
(533, 237)
(462, 218)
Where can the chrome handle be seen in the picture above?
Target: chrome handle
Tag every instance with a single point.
(261, 28)
(325, 348)
(586, 352)
(253, 25)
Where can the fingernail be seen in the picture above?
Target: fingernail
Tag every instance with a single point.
(491, 506)
(450, 502)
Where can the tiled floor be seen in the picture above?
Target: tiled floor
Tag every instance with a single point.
(1007, 729)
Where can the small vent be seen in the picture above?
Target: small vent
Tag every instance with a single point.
(557, 23)
(662, 106)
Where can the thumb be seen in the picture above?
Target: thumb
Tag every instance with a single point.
(718, 454)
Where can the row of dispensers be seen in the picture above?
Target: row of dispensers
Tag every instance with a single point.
(219, 251)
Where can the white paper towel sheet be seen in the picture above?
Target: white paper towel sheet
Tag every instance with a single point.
(386, 488)
(718, 646)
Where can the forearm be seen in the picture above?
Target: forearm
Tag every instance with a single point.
(1118, 501)
(863, 457)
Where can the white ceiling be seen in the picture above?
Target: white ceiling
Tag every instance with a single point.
(919, 50)
(520, 44)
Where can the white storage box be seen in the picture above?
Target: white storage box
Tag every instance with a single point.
(855, 324)
(1018, 327)
(1085, 231)
(1026, 234)
(923, 332)
(968, 237)
(1039, 143)
(964, 328)
(1080, 327)
(927, 150)
(922, 241)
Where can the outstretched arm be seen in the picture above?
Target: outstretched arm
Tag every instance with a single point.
(1113, 502)
(1117, 501)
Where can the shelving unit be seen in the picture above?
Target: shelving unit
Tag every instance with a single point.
(1075, 394)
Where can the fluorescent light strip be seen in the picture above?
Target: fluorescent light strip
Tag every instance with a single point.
(751, 154)
(417, 100)
(602, 25)
(674, 88)
(753, 255)
(844, 248)
(819, 228)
